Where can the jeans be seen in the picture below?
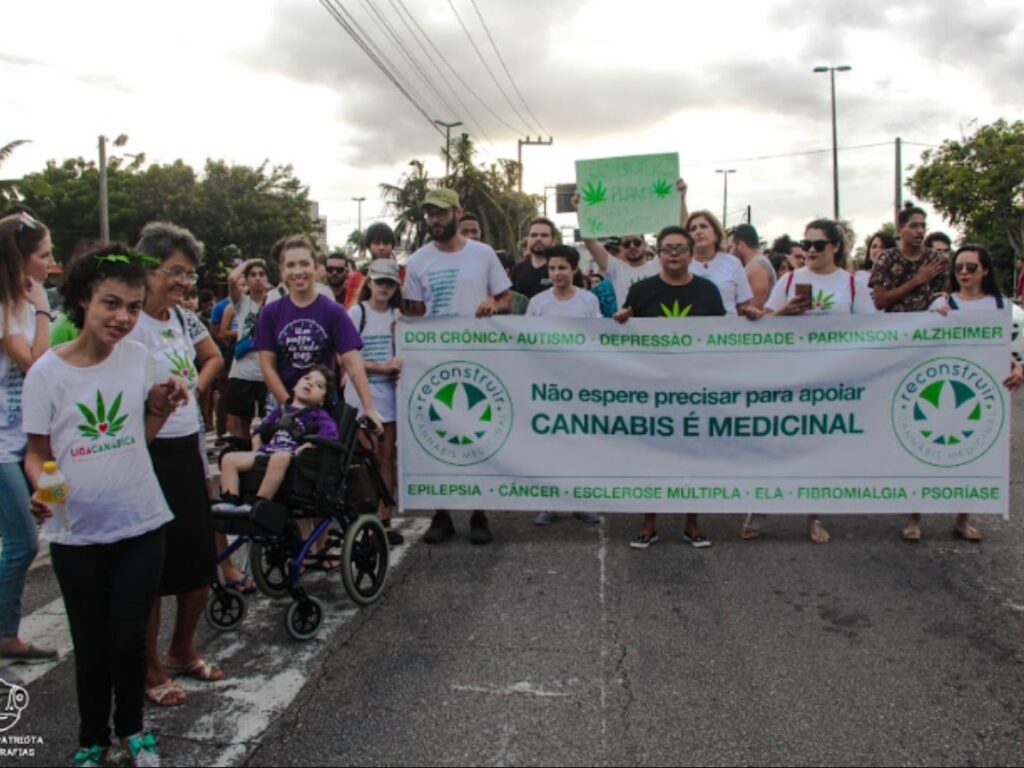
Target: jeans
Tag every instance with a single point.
(20, 545)
(109, 591)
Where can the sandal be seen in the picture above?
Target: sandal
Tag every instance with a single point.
(198, 669)
(912, 531)
(245, 585)
(967, 532)
(159, 694)
(818, 533)
(751, 528)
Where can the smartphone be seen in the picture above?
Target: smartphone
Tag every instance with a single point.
(803, 291)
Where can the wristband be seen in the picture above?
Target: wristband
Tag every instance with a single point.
(44, 312)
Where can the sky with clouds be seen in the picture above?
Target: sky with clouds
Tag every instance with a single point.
(726, 85)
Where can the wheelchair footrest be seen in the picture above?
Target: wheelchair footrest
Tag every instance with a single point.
(265, 518)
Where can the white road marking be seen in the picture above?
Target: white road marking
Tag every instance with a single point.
(521, 688)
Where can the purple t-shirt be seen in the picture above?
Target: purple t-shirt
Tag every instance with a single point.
(303, 337)
(281, 440)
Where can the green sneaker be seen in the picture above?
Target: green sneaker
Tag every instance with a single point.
(142, 748)
(91, 757)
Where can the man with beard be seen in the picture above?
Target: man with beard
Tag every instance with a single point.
(452, 276)
(530, 276)
(630, 267)
(338, 274)
(906, 278)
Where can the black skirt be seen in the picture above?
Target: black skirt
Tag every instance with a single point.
(190, 562)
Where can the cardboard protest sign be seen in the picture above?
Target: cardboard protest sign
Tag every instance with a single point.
(627, 195)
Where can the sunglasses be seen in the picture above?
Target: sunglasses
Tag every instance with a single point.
(337, 270)
(817, 245)
(672, 249)
(970, 267)
(385, 281)
(630, 242)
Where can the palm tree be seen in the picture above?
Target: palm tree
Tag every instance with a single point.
(404, 201)
(10, 189)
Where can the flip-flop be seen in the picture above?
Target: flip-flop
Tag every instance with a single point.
(967, 532)
(198, 669)
(159, 693)
(911, 532)
(243, 585)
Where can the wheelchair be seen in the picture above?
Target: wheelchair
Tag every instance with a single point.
(337, 483)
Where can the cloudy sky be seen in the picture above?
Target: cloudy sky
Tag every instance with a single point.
(726, 85)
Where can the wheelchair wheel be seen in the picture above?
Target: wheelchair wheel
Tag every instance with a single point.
(304, 618)
(269, 569)
(364, 559)
(225, 609)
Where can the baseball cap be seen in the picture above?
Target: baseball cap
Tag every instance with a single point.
(384, 269)
(445, 199)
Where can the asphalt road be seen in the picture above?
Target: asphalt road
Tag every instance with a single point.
(564, 646)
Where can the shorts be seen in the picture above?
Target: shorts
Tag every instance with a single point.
(246, 398)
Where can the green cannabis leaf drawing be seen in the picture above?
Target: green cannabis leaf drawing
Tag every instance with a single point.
(662, 189)
(675, 311)
(102, 423)
(592, 195)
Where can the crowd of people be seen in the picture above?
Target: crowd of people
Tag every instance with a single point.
(122, 386)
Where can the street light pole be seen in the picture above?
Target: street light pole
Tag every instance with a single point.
(120, 141)
(447, 142)
(725, 191)
(835, 144)
(528, 142)
(359, 225)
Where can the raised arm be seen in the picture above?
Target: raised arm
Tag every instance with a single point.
(595, 248)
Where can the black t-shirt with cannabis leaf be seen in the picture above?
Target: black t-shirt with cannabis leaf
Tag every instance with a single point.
(654, 297)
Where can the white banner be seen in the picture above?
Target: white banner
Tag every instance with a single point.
(890, 413)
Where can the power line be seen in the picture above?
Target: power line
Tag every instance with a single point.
(337, 16)
(505, 66)
(790, 154)
(483, 61)
(452, 69)
(383, 25)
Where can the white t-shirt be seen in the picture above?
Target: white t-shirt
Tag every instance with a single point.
(171, 353)
(247, 367)
(729, 276)
(378, 347)
(622, 276)
(96, 420)
(832, 294)
(582, 304)
(12, 380)
(985, 302)
(454, 284)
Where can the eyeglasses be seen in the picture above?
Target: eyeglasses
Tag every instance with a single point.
(629, 242)
(970, 267)
(181, 275)
(668, 250)
(817, 245)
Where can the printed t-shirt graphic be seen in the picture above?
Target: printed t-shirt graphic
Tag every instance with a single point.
(454, 284)
(303, 337)
(171, 353)
(831, 294)
(378, 347)
(95, 418)
(656, 298)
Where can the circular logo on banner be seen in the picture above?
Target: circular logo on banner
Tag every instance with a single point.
(948, 412)
(460, 413)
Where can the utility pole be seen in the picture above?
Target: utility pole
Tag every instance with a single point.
(447, 142)
(835, 147)
(898, 197)
(104, 211)
(359, 225)
(725, 191)
(528, 142)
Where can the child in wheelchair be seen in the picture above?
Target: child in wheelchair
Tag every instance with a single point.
(278, 438)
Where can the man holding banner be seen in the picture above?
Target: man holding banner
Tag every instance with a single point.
(454, 277)
(673, 293)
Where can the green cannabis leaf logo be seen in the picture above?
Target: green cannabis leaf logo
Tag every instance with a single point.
(102, 423)
(595, 225)
(460, 413)
(593, 195)
(182, 366)
(662, 189)
(168, 334)
(675, 311)
(824, 301)
(950, 412)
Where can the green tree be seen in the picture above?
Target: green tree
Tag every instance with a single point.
(977, 182)
(403, 200)
(11, 190)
